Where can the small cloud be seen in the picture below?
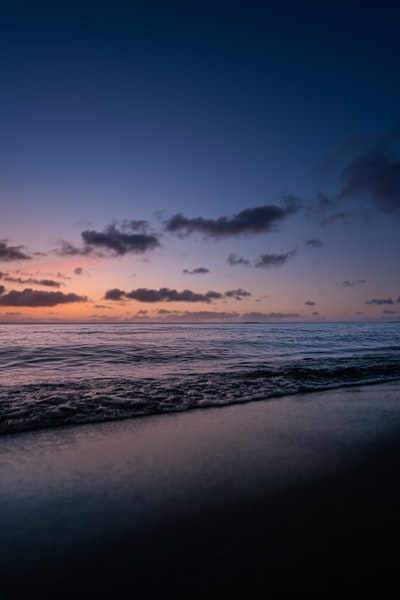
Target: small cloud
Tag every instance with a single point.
(34, 298)
(352, 283)
(81, 271)
(266, 261)
(309, 303)
(235, 260)
(11, 253)
(375, 174)
(379, 301)
(114, 294)
(30, 281)
(314, 243)
(261, 219)
(112, 240)
(389, 312)
(198, 271)
(67, 249)
(237, 294)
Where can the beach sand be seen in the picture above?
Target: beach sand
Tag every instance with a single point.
(273, 498)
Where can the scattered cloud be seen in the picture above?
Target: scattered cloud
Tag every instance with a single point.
(234, 260)
(114, 294)
(375, 174)
(314, 243)
(352, 283)
(171, 295)
(35, 298)
(68, 249)
(81, 271)
(309, 303)
(198, 271)
(266, 261)
(11, 253)
(30, 281)
(261, 219)
(389, 312)
(162, 295)
(340, 217)
(379, 301)
(112, 240)
(237, 294)
(119, 242)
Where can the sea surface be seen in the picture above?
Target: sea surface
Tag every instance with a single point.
(54, 375)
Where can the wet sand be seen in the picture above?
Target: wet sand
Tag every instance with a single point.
(296, 495)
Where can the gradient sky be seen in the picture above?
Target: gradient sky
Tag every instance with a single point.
(199, 161)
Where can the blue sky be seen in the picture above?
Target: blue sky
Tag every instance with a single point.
(199, 161)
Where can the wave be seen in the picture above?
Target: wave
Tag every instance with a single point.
(73, 402)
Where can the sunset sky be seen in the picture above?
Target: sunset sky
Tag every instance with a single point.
(199, 161)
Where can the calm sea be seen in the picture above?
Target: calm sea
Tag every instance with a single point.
(52, 375)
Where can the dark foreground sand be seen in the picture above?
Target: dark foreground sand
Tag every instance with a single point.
(270, 499)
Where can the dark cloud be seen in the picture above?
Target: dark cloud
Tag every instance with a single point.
(314, 243)
(78, 271)
(114, 294)
(389, 312)
(351, 283)
(235, 260)
(11, 253)
(309, 303)
(237, 294)
(2, 289)
(162, 295)
(198, 271)
(34, 298)
(379, 301)
(266, 261)
(30, 281)
(261, 219)
(398, 299)
(375, 174)
(119, 242)
(112, 240)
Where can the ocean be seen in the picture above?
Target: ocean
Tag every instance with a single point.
(54, 375)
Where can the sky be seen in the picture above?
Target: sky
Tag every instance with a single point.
(199, 161)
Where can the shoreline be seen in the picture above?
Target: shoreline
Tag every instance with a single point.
(286, 495)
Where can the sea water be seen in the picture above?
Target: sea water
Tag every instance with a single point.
(65, 374)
